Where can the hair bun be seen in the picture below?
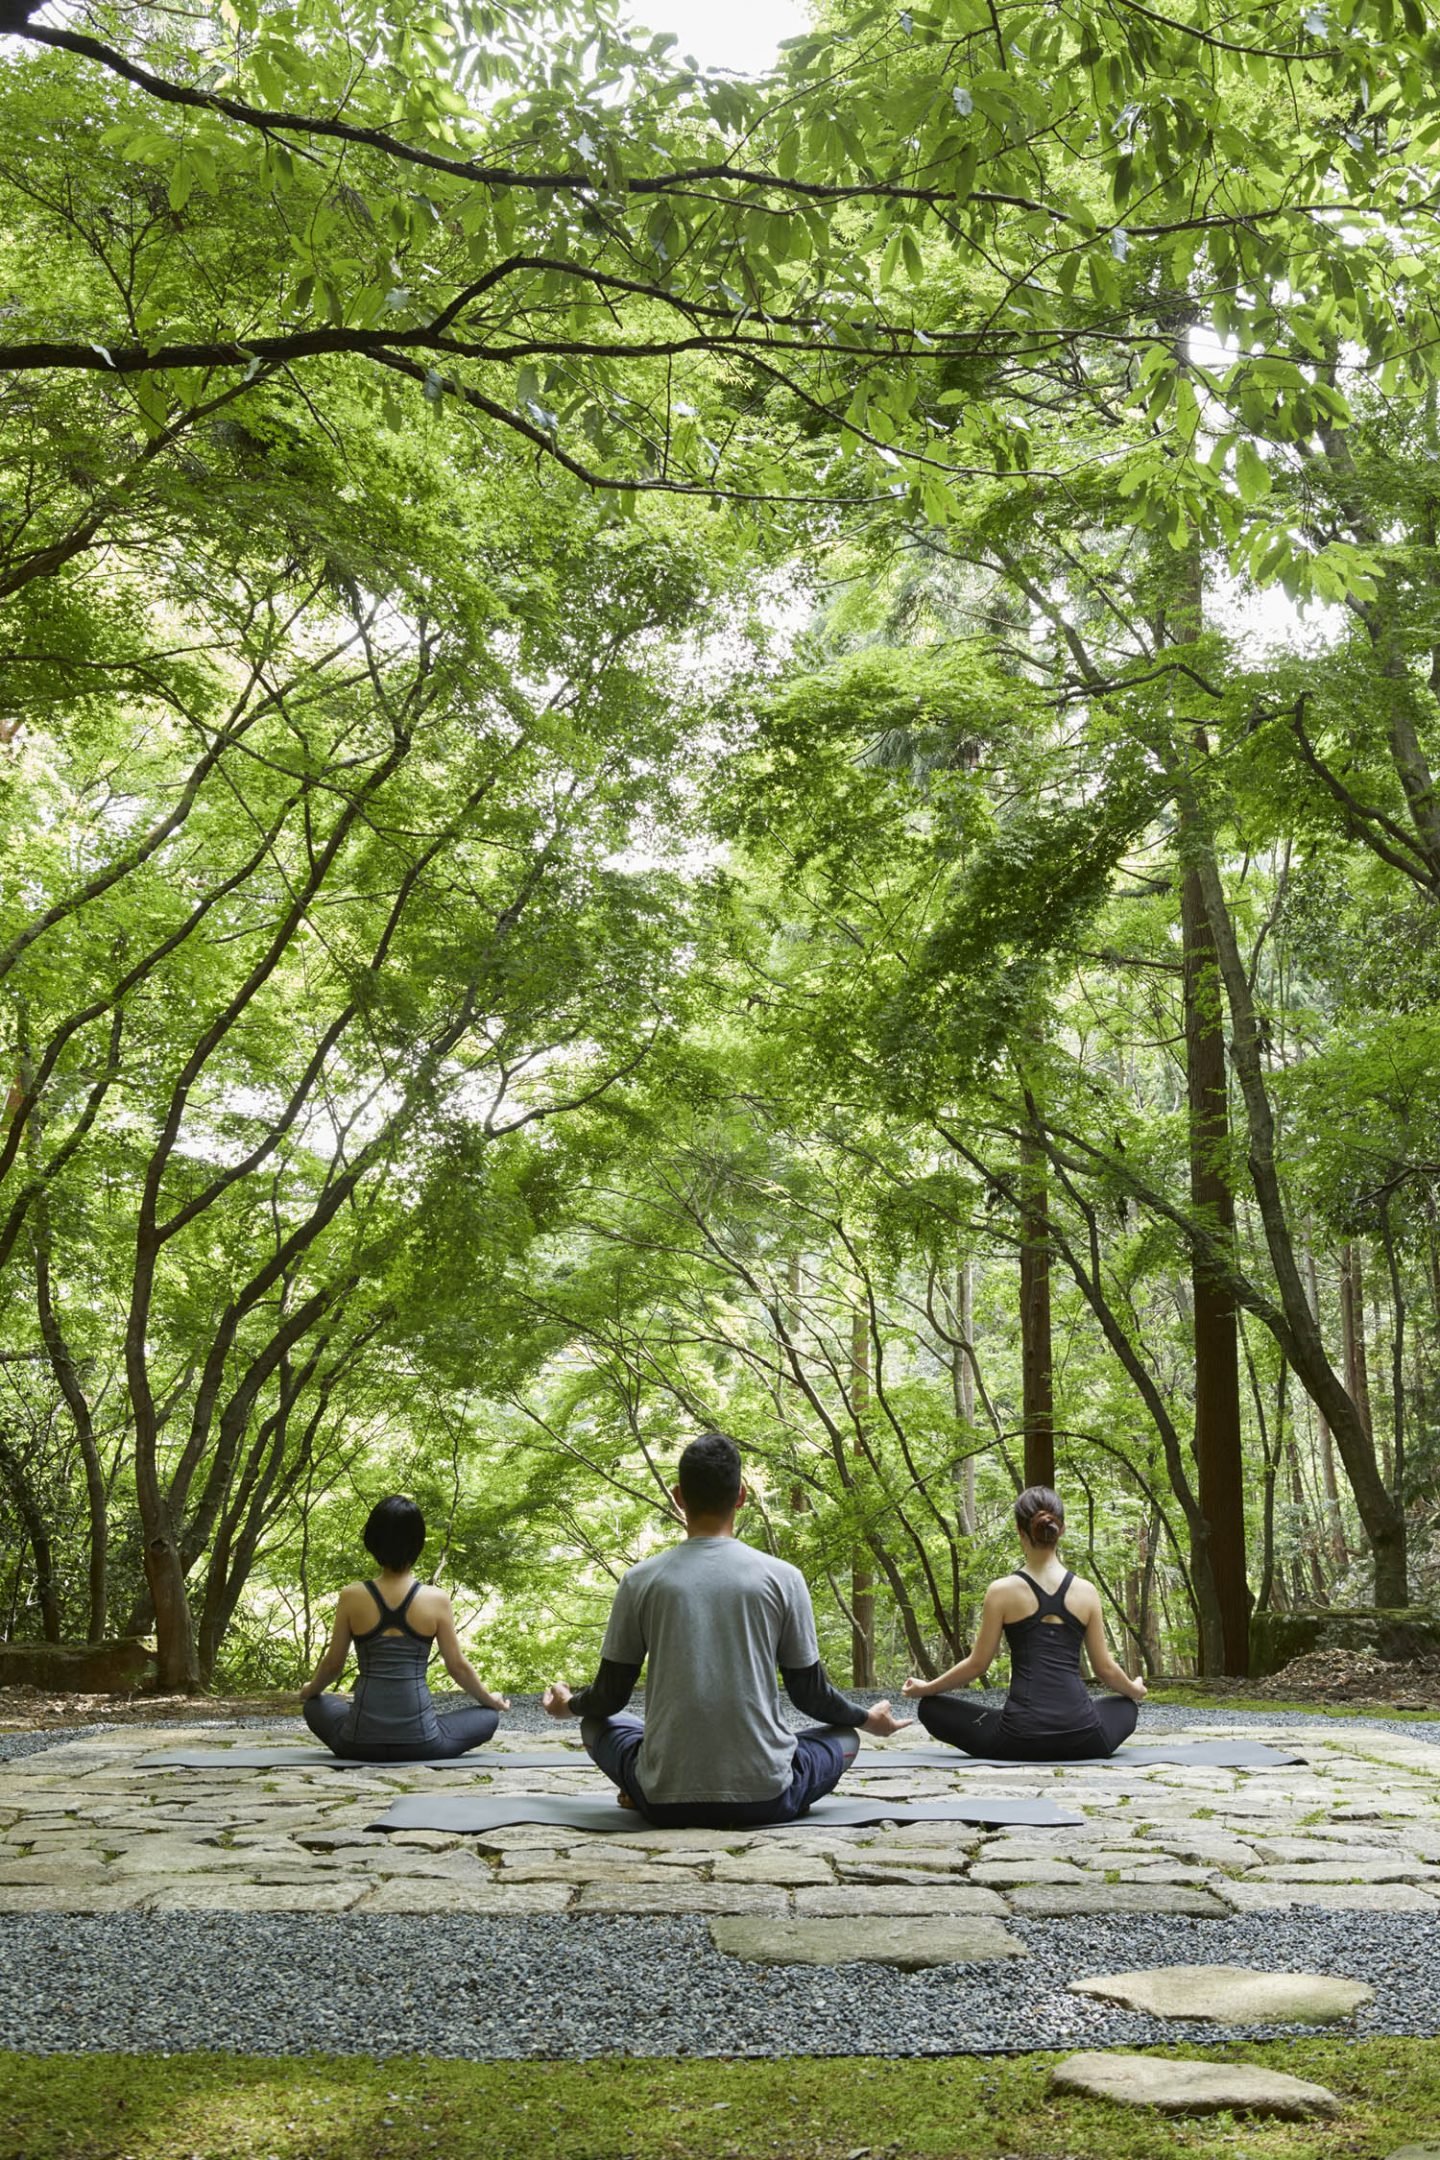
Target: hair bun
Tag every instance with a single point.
(1040, 1515)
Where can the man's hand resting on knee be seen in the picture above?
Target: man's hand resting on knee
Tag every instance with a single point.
(555, 1702)
(882, 1720)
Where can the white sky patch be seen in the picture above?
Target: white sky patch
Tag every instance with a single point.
(741, 35)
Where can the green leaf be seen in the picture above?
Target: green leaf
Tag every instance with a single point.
(1252, 475)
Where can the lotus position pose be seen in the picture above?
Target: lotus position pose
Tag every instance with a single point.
(395, 1622)
(715, 1617)
(1046, 1613)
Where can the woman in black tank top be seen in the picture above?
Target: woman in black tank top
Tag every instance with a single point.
(395, 1623)
(1046, 1613)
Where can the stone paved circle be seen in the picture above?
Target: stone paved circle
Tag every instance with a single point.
(1305, 1863)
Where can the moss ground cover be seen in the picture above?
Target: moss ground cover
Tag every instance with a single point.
(212, 2107)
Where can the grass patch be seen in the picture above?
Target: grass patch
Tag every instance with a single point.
(235, 2107)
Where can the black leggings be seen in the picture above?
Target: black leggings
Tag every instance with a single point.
(975, 1729)
(460, 1730)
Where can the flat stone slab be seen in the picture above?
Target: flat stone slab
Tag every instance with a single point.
(1327, 1897)
(1230, 1994)
(909, 1944)
(898, 1901)
(1192, 2088)
(1064, 1901)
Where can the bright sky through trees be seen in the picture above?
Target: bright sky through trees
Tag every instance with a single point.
(742, 35)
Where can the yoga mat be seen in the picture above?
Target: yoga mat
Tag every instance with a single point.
(318, 1758)
(1209, 1754)
(473, 1812)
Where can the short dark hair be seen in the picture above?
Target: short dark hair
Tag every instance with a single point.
(710, 1474)
(395, 1533)
(1040, 1513)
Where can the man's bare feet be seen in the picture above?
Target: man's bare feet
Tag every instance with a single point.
(623, 1799)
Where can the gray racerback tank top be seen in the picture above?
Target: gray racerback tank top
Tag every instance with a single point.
(392, 1703)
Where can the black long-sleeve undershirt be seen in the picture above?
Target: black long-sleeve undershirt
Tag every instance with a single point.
(809, 1687)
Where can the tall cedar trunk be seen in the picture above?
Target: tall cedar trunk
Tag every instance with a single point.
(1036, 1356)
(862, 1580)
(1218, 1453)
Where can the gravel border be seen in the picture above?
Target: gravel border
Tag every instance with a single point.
(563, 1988)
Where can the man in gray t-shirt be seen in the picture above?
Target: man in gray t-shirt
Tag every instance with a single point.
(714, 1618)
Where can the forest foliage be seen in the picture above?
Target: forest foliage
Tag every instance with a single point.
(678, 750)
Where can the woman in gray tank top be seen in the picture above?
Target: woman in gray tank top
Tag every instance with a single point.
(394, 1622)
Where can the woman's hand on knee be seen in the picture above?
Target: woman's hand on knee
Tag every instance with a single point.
(914, 1687)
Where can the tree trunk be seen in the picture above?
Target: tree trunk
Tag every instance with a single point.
(964, 1389)
(1150, 1649)
(32, 1517)
(862, 1580)
(1335, 1520)
(67, 1379)
(1297, 1332)
(1036, 1354)
(1352, 1333)
(1218, 1453)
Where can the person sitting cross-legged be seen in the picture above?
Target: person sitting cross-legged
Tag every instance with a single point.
(714, 1617)
(395, 1622)
(1046, 1613)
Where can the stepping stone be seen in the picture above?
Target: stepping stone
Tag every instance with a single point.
(1230, 1994)
(1416, 2152)
(1193, 2088)
(910, 1944)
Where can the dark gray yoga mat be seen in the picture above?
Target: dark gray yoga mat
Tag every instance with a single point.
(473, 1812)
(1210, 1754)
(310, 1758)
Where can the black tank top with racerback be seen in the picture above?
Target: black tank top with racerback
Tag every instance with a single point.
(1047, 1698)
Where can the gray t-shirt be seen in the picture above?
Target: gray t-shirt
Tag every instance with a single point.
(714, 1618)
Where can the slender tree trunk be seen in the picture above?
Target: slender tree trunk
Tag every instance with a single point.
(862, 1580)
(964, 1387)
(65, 1371)
(67, 1379)
(1352, 1332)
(1299, 1336)
(1150, 1648)
(1036, 1351)
(1335, 1520)
(32, 1516)
(1218, 1452)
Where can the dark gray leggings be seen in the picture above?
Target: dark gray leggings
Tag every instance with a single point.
(460, 1730)
(976, 1730)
